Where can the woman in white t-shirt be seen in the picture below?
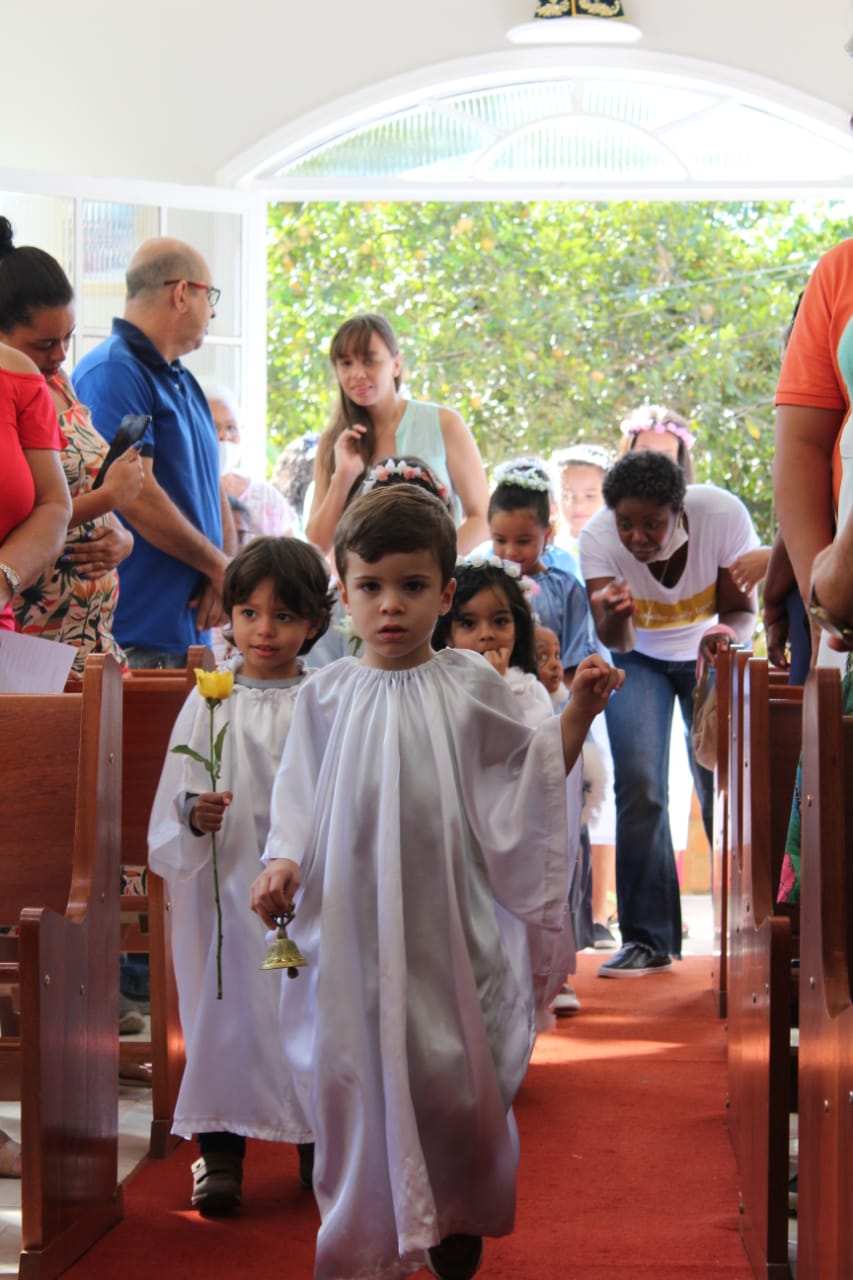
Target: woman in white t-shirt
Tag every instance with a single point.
(656, 563)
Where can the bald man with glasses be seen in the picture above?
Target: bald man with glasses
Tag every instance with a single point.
(171, 585)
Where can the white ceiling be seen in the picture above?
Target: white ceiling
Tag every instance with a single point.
(179, 90)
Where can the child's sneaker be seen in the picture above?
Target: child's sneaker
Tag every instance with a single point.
(217, 1183)
(456, 1258)
(566, 1002)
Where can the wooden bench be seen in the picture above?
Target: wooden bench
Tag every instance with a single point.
(825, 1162)
(152, 700)
(761, 992)
(60, 757)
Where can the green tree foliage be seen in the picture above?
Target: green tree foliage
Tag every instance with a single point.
(546, 323)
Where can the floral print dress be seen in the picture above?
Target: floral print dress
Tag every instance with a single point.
(62, 605)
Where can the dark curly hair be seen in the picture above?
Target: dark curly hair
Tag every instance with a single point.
(649, 475)
(299, 574)
(470, 581)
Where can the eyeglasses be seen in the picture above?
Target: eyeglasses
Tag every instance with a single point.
(213, 295)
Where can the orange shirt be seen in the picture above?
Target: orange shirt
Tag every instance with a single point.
(817, 371)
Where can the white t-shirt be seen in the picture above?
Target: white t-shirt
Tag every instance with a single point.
(670, 621)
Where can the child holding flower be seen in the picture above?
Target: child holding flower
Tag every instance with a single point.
(276, 594)
(424, 825)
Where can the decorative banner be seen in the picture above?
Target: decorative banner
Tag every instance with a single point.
(579, 8)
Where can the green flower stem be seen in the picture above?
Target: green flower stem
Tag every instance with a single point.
(214, 778)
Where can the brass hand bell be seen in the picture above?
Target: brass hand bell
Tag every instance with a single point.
(283, 952)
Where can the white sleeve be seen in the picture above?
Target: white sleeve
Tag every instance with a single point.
(596, 561)
(173, 850)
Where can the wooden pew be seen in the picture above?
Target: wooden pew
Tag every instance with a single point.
(761, 992)
(825, 1163)
(720, 848)
(152, 700)
(60, 756)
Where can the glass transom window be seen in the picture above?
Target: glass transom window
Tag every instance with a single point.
(598, 126)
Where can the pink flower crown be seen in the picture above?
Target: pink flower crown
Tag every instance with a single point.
(382, 472)
(647, 419)
(509, 567)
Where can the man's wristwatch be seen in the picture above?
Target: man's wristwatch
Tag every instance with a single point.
(842, 631)
(11, 577)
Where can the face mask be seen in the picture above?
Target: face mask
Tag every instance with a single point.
(229, 456)
(678, 539)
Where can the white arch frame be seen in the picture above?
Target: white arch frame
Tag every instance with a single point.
(250, 169)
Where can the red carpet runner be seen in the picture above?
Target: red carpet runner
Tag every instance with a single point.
(626, 1168)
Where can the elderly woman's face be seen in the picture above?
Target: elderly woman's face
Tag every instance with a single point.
(227, 427)
(644, 527)
(657, 442)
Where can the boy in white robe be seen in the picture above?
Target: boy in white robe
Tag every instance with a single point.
(276, 593)
(424, 825)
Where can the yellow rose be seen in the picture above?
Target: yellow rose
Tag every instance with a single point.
(214, 685)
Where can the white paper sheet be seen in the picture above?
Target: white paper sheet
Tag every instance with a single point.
(29, 664)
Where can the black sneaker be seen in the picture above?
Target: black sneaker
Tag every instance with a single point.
(456, 1258)
(603, 939)
(635, 961)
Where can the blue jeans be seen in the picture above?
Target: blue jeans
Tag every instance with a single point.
(639, 722)
(142, 659)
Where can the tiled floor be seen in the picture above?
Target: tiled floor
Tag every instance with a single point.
(135, 1103)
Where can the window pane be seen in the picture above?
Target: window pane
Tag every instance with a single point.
(218, 238)
(220, 364)
(111, 233)
(44, 221)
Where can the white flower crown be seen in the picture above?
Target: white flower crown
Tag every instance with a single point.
(509, 567)
(525, 478)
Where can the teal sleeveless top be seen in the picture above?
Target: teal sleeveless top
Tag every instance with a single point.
(419, 433)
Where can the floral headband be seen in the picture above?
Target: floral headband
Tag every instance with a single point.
(403, 470)
(509, 567)
(646, 420)
(525, 478)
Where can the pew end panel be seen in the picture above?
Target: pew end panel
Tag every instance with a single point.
(59, 867)
(720, 849)
(825, 1164)
(763, 944)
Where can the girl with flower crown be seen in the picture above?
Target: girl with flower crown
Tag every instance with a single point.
(659, 429)
(520, 527)
(490, 615)
(276, 593)
(374, 421)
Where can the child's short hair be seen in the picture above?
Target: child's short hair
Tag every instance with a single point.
(479, 574)
(394, 518)
(299, 575)
(524, 485)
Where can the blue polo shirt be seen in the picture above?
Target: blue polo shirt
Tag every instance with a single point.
(127, 374)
